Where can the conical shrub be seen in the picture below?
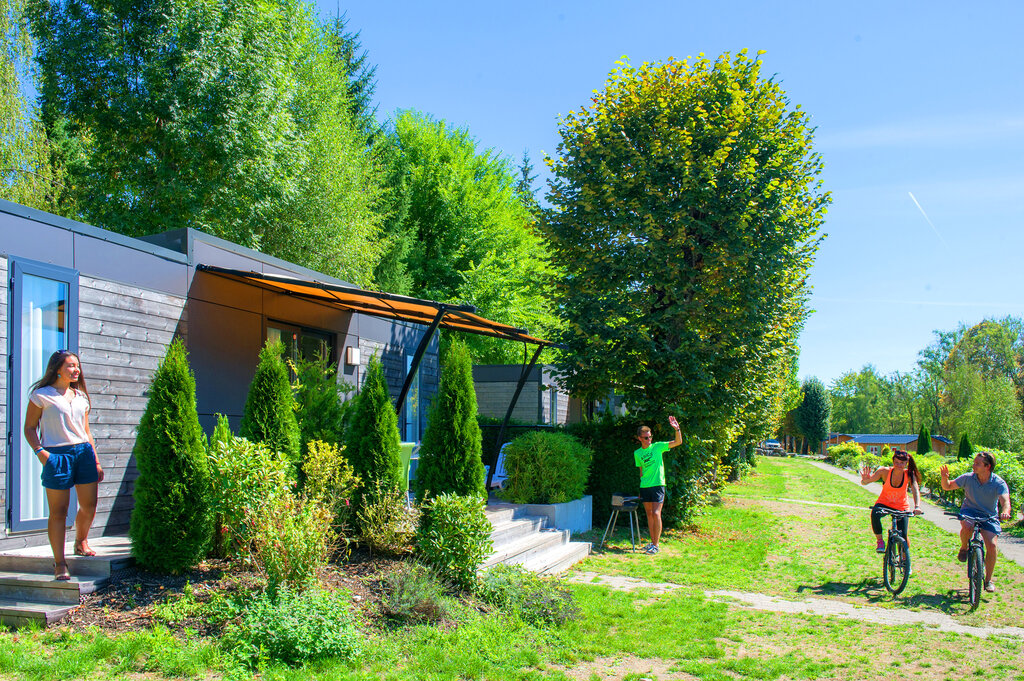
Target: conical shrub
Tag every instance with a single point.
(966, 449)
(171, 523)
(924, 441)
(269, 415)
(373, 441)
(450, 454)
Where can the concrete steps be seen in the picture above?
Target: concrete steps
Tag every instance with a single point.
(521, 539)
(29, 593)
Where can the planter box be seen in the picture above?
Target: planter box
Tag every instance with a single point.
(576, 516)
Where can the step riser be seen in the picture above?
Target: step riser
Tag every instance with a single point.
(516, 530)
(41, 594)
(565, 563)
(517, 555)
(502, 516)
(80, 567)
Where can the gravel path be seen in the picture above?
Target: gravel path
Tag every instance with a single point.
(811, 606)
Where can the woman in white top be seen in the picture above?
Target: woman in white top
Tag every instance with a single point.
(57, 429)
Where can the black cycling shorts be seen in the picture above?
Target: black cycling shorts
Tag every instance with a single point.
(655, 495)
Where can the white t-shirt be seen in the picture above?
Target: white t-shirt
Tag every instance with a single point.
(62, 422)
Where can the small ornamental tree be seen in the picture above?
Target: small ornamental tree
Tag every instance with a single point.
(269, 415)
(374, 449)
(171, 523)
(924, 441)
(966, 449)
(814, 412)
(319, 409)
(450, 454)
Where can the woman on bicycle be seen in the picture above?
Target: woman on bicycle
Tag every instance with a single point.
(897, 480)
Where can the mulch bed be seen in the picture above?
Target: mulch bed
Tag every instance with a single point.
(127, 603)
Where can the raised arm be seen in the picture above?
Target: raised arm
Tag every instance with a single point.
(679, 436)
(947, 484)
(867, 477)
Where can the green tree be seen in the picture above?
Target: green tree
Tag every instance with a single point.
(374, 444)
(965, 450)
(319, 409)
(226, 116)
(924, 441)
(171, 522)
(361, 74)
(812, 416)
(474, 238)
(685, 212)
(450, 454)
(269, 414)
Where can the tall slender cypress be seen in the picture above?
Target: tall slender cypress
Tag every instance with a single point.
(924, 441)
(374, 448)
(171, 523)
(269, 415)
(450, 455)
(966, 449)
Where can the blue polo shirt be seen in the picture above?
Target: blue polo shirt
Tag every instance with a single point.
(981, 501)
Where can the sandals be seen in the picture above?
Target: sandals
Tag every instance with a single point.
(80, 551)
(61, 575)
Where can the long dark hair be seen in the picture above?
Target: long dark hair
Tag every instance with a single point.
(53, 367)
(915, 474)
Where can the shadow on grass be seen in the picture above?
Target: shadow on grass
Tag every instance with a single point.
(870, 589)
(953, 602)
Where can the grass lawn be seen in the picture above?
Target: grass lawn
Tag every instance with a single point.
(753, 541)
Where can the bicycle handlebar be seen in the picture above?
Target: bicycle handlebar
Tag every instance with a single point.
(894, 512)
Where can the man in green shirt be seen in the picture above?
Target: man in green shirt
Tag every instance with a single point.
(650, 460)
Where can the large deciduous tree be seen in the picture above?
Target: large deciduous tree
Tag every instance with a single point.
(476, 242)
(685, 211)
(227, 116)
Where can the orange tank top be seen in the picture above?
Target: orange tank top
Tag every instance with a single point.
(894, 497)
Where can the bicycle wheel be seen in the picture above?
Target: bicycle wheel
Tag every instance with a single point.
(975, 575)
(896, 568)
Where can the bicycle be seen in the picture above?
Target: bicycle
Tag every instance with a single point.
(975, 565)
(896, 563)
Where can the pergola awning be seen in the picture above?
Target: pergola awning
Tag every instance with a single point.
(377, 304)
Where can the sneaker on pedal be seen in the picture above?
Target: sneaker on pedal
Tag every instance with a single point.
(962, 556)
(990, 587)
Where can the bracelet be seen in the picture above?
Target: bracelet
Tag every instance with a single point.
(39, 449)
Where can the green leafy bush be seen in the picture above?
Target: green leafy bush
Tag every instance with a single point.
(886, 453)
(295, 628)
(319, 409)
(387, 524)
(413, 594)
(527, 596)
(373, 442)
(330, 480)
(454, 537)
(846, 455)
(171, 523)
(546, 468)
(269, 415)
(243, 475)
(450, 454)
(291, 539)
(1009, 468)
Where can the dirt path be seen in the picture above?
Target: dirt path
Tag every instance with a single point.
(811, 606)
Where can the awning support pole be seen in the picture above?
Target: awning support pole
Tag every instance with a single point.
(508, 414)
(424, 342)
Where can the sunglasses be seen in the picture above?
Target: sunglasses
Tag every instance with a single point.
(900, 457)
(645, 437)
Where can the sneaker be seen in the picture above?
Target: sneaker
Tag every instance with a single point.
(962, 556)
(880, 546)
(990, 587)
(651, 549)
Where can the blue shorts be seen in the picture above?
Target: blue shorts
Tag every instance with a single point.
(70, 465)
(989, 524)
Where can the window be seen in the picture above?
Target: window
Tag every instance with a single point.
(873, 449)
(43, 319)
(300, 342)
(412, 405)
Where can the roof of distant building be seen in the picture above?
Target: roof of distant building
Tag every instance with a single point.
(880, 439)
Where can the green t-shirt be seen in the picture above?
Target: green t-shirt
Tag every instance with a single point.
(652, 468)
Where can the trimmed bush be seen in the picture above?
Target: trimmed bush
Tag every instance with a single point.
(450, 454)
(965, 450)
(454, 537)
(269, 415)
(546, 468)
(295, 628)
(886, 453)
(319, 409)
(373, 441)
(846, 455)
(171, 523)
(527, 596)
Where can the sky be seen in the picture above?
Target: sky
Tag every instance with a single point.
(918, 106)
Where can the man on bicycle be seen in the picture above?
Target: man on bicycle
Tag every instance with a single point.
(983, 489)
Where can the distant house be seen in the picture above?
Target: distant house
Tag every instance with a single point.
(873, 443)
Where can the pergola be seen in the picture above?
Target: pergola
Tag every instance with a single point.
(429, 313)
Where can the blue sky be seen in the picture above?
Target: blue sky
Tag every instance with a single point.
(919, 108)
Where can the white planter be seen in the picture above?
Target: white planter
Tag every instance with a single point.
(575, 516)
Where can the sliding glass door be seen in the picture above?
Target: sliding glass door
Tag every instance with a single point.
(43, 305)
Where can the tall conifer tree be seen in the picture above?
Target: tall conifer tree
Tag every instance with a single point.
(269, 415)
(374, 448)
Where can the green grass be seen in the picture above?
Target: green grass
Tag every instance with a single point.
(753, 542)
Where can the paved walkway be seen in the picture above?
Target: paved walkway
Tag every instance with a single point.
(1009, 547)
(810, 606)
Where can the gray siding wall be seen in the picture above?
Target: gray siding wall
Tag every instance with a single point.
(4, 271)
(124, 332)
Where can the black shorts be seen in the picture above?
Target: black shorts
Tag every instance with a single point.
(655, 495)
